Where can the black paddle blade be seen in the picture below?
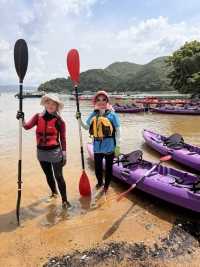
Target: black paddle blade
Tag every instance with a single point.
(21, 58)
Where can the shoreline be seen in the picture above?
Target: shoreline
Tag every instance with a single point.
(182, 240)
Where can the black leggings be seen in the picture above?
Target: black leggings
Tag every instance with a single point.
(98, 162)
(53, 171)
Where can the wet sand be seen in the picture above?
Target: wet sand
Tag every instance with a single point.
(47, 231)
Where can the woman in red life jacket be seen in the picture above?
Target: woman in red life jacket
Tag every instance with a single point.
(51, 143)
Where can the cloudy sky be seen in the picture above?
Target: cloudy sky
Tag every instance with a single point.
(104, 31)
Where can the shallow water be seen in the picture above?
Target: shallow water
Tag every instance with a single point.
(46, 229)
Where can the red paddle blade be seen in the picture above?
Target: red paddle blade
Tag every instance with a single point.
(166, 158)
(73, 65)
(84, 185)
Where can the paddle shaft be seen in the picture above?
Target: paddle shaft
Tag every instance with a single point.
(19, 182)
(140, 179)
(147, 173)
(79, 125)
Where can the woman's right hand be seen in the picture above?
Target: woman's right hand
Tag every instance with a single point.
(20, 115)
(78, 115)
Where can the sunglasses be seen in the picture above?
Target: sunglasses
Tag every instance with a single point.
(101, 99)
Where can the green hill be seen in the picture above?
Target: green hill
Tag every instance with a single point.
(118, 76)
(57, 85)
(97, 79)
(123, 69)
(151, 77)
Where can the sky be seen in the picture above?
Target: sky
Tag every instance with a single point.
(103, 31)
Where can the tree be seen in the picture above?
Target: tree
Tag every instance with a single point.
(185, 76)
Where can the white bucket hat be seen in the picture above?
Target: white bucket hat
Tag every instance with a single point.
(54, 98)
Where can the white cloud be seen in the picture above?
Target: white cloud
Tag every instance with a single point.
(5, 54)
(141, 42)
(155, 37)
(45, 25)
(52, 27)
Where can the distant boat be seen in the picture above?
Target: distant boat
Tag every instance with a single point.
(81, 97)
(31, 94)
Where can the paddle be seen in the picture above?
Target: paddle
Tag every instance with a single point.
(73, 65)
(162, 159)
(21, 64)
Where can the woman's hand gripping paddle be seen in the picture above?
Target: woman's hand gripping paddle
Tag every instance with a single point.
(162, 159)
(21, 64)
(73, 65)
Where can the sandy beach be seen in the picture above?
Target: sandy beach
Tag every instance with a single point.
(47, 231)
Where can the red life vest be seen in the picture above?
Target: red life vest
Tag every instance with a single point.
(46, 132)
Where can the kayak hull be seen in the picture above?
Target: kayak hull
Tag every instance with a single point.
(188, 156)
(177, 111)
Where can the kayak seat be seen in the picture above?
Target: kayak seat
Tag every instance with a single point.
(130, 159)
(174, 141)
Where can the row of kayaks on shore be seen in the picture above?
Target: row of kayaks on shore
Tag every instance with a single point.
(132, 108)
(172, 185)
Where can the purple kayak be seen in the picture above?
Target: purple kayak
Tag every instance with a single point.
(189, 155)
(177, 110)
(166, 183)
(127, 109)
